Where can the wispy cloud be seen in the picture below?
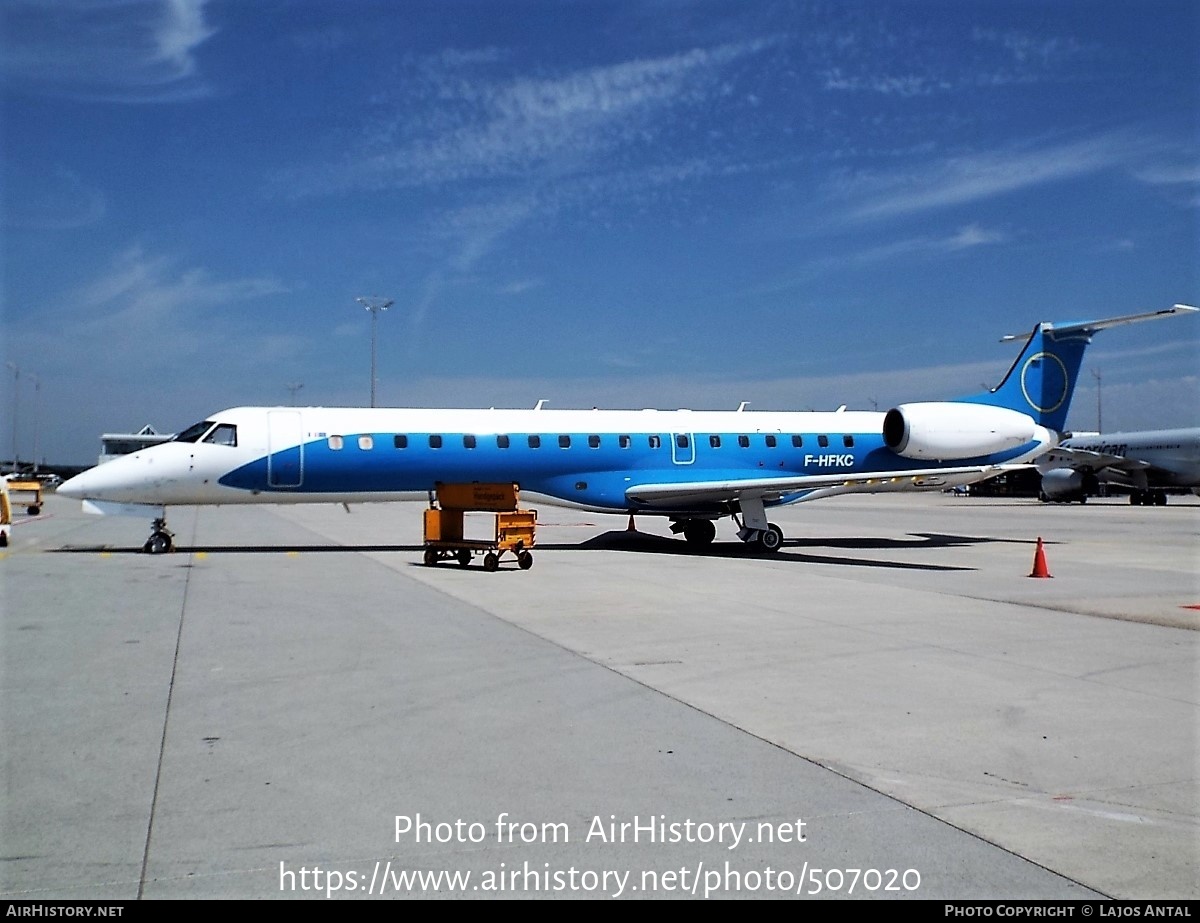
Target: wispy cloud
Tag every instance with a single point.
(974, 177)
(131, 51)
(144, 304)
(885, 84)
(465, 125)
(1029, 49)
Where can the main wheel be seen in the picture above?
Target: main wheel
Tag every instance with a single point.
(699, 532)
(464, 557)
(490, 561)
(34, 509)
(431, 557)
(771, 538)
(524, 560)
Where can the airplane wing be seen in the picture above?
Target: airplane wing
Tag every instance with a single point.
(810, 486)
(1095, 461)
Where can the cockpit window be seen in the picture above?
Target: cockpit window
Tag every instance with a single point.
(224, 434)
(194, 432)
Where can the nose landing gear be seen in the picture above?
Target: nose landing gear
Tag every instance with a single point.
(161, 540)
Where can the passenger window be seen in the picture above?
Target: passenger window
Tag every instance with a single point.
(848, 442)
(714, 441)
(594, 441)
(744, 441)
(366, 443)
(535, 442)
(225, 434)
(797, 442)
(625, 441)
(435, 442)
(468, 442)
(564, 442)
(335, 443)
(682, 440)
(502, 441)
(823, 441)
(771, 441)
(655, 442)
(400, 441)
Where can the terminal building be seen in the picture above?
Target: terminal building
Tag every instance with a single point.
(113, 445)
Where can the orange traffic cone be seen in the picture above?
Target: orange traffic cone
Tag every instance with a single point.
(1039, 562)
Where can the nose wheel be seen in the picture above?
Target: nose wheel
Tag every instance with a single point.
(161, 540)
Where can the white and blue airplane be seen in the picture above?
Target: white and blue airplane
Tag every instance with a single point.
(693, 467)
(1146, 464)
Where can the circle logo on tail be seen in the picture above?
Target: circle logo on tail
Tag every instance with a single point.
(1045, 378)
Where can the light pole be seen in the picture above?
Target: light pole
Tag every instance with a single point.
(374, 305)
(1099, 414)
(293, 388)
(16, 405)
(37, 417)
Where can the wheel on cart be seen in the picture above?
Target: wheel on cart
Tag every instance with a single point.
(431, 557)
(524, 560)
(491, 561)
(464, 557)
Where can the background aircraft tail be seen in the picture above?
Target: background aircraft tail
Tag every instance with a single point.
(1042, 380)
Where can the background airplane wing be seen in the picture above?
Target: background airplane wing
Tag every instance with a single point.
(1082, 458)
(809, 486)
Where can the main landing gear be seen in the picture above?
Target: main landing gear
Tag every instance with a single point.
(161, 540)
(1148, 498)
(698, 533)
(753, 529)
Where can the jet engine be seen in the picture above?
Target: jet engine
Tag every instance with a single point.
(950, 430)
(1063, 485)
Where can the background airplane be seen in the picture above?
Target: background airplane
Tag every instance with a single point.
(693, 467)
(1143, 463)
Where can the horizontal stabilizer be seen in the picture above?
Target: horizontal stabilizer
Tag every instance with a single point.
(1091, 326)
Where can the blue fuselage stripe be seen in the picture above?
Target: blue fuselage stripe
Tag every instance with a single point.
(594, 476)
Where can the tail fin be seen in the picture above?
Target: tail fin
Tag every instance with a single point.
(1042, 380)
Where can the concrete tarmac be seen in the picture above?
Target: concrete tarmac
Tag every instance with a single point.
(291, 705)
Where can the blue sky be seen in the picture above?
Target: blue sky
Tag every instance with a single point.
(623, 204)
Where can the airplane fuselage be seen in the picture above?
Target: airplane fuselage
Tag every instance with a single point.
(1172, 454)
(583, 458)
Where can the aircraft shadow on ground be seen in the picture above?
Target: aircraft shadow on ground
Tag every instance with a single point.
(238, 549)
(640, 543)
(657, 544)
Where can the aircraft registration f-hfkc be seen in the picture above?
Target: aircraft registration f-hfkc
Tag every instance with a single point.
(691, 466)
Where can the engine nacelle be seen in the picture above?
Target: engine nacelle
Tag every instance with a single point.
(1068, 484)
(950, 430)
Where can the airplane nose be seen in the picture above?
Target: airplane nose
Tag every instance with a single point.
(110, 481)
(74, 487)
(86, 484)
